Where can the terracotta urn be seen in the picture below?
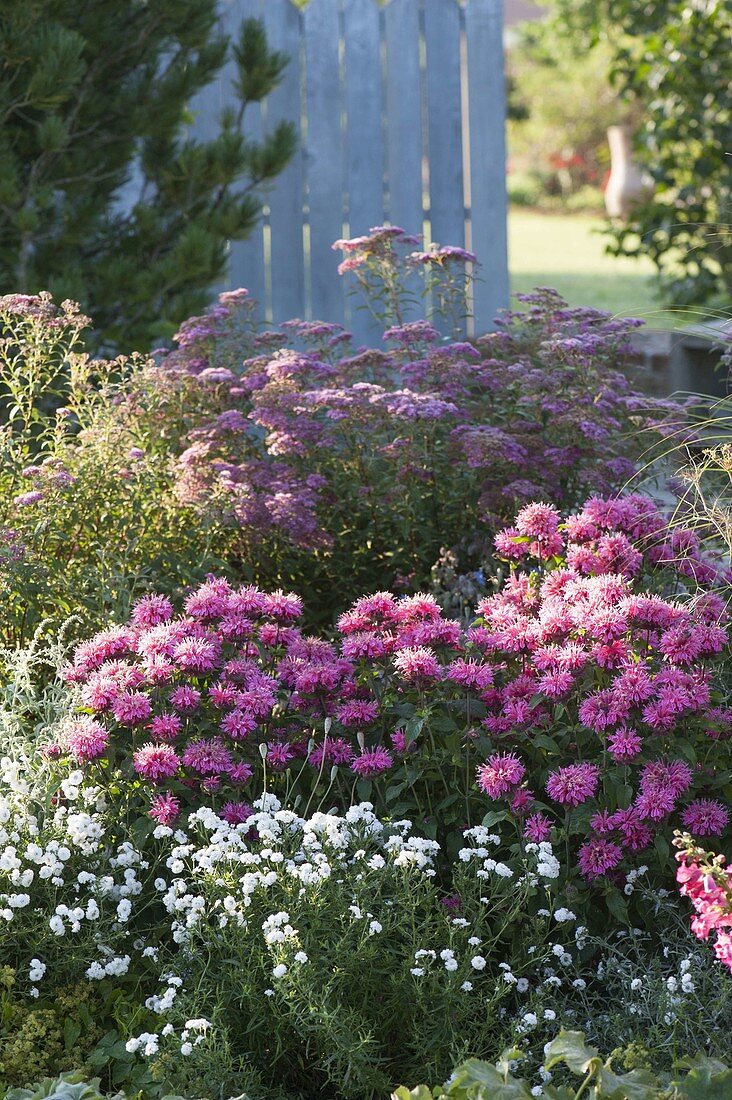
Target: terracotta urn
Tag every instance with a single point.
(627, 185)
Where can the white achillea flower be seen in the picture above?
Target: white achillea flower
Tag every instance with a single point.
(279, 971)
(478, 962)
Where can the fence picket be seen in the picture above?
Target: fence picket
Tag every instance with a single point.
(487, 99)
(324, 156)
(365, 165)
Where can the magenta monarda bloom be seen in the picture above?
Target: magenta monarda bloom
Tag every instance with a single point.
(624, 744)
(538, 827)
(705, 817)
(598, 856)
(574, 784)
(156, 762)
(500, 774)
(236, 813)
(371, 763)
(86, 739)
(165, 808)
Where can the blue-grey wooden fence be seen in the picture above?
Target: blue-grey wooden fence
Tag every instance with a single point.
(400, 108)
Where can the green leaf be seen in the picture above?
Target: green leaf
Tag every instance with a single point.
(707, 1080)
(617, 905)
(422, 1092)
(570, 1047)
(493, 817)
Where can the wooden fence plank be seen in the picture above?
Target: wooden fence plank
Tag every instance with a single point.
(404, 122)
(246, 258)
(365, 165)
(487, 107)
(324, 156)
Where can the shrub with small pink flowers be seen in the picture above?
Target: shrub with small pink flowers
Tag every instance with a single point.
(337, 469)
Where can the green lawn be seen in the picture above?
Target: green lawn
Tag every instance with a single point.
(566, 251)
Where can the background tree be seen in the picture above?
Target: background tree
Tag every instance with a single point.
(673, 57)
(566, 101)
(104, 195)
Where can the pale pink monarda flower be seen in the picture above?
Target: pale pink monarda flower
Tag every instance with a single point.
(537, 828)
(371, 763)
(131, 708)
(538, 521)
(151, 611)
(86, 739)
(166, 726)
(597, 856)
(198, 654)
(418, 664)
(573, 784)
(500, 774)
(705, 817)
(165, 808)
(510, 544)
(156, 761)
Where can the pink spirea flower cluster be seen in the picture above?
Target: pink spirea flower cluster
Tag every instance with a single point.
(708, 885)
(308, 425)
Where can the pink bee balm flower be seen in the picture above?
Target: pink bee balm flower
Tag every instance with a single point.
(86, 739)
(279, 755)
(538, 520)
(207, 756)
(241, 774)
(705, 817)
(418, 663)
(624, 744)
(509, 545)
(358, 713)
(185, 699)
(574, 784)
(164, 808)
(166, 726)
(371, 763)
(197, 655)
(156, 762)
(538, 827)
(598, 856)
(236, 813)
(131, 707)
(152, 610)
(500, 774)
